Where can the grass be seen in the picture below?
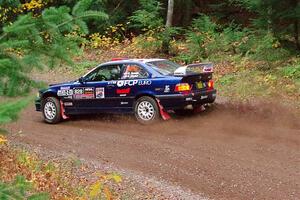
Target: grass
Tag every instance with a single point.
(82, 67)
(256, 84)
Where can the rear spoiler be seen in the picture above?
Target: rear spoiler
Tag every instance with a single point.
(192, 69)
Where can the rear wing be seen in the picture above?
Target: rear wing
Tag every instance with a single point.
(193, 69)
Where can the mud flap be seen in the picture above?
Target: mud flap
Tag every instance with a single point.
(163, 113)
(62, 111)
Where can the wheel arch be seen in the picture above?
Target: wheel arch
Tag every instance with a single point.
(144, 94)
(49, 94)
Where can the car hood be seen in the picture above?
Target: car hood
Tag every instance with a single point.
(62, 84)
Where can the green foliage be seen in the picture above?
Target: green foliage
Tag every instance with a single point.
(33, 42)
(20, 189)
(165, 37)
(9, 111)
(266, 48)
(292, 72)
(9, 2)
(147, 16)
(82, 67)
(226, 80)
(234, 40)
(279, 17)
(202, 32)
(208, 41)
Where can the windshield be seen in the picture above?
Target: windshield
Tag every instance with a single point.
(164, 67)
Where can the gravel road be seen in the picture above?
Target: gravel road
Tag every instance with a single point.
(232, 152)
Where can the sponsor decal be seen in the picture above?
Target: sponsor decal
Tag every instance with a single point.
(100, 94)
(167, 89)
(112, 82)
(84, 93)
(68, 97)
(124, 83)
(124, 103)
(64, 92)
(127, 83)
(144, 82)
(131, 75)
(123, 91)
(68, 104)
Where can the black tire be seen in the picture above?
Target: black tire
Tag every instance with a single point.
(51, 110)
(147, 116)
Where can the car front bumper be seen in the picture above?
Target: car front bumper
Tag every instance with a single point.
(181, 101)
(38, 104)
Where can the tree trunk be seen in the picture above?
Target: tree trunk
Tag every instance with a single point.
(170, 13)
(167, 36)
(296, 33)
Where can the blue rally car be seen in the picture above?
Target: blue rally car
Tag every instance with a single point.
(149, 88)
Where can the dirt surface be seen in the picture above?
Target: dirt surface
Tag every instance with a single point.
(230, 152)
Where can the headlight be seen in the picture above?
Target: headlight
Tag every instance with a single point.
(38, 95)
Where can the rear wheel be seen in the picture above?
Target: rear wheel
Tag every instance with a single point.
(146, 110)
(51, 110)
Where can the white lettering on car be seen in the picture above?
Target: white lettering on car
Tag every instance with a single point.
(62, 93)
(145, 82)
(167, 89)
(125, 83)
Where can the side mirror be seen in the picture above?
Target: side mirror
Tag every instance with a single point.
(81, 80)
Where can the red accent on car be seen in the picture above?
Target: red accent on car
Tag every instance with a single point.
(182, 87)
(123, 91)
(207, 69)
(162, 111)
(62, 110)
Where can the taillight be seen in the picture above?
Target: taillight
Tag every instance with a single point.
(210, 84)
(182, 87)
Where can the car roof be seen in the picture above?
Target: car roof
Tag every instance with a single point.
(148, 60)
(136, 60)
(133, 61)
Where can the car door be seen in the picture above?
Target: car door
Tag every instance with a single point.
(96, 94)
(134, 79)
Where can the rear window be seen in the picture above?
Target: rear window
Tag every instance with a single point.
(164, 67)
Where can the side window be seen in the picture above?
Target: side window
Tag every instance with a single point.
(105, 73)
(132, 71)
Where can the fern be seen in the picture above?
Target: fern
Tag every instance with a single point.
(148, 16)
(81, 7)
(33, 42)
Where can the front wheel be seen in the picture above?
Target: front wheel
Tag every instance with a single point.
(146, 110)
(51, 110)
